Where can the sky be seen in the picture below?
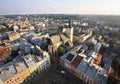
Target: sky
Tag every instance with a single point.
(104, 7)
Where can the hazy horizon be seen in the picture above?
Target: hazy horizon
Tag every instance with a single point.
(87, 7)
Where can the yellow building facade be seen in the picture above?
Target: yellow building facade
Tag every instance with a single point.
(18, 78)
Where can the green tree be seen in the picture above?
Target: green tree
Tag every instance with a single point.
(4, 30)
(112, 42)
(8, 59)
(60, 51)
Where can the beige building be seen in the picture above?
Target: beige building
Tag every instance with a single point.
(56, 41)
(31, 62)
(13, 36)
(14, 73)
(81, 38)
(42, 64)
(22, 67)
(37, 63)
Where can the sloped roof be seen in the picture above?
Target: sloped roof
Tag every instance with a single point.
(77, 61)
(5, 50)
(70, 57)
(1, 59)
(98, 57)
(55, 39)
(91, 72)
(64, 38)
(19, 63)
(29, 59)
(83, 66)
(7, 71)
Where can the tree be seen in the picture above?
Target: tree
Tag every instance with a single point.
(60, 51)
(8, 59)
(4, 30)
(112, 42)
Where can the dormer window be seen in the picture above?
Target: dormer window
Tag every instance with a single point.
(27, 49)
(37, 40)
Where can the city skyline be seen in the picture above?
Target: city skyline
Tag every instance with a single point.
(102, 7)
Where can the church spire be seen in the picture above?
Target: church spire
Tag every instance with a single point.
(70, 23)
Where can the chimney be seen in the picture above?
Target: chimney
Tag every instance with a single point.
(16, 64)
(41, 51)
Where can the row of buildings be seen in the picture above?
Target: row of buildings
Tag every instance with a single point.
(29, 60)
(86, 63)
(22, 67)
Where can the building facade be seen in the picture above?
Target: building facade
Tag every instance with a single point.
(86, 65)
(21, 68)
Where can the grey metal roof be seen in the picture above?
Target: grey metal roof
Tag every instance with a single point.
(29, 59)
(91, 72)
(83, 66)
(7, 71)
(20, 65)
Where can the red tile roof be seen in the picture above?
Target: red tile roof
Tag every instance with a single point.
(4, 50)
(1, 59)
(35, 57)
(77, 61)
(98, 57)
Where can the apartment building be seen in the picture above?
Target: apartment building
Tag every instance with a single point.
(86, 65)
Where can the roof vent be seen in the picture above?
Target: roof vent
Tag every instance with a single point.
(7, 68)
(1, 72)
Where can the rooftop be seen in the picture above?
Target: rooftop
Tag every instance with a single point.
(88, 63)
(71, 51)
(64, 38)
(70, 57)
(7, 71)
(98, 57)
(29, 60)
(83, 66)
(19, 64)
(1, 59)
(91, 72)
(55, 39)
(77, 61)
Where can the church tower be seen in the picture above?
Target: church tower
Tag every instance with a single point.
(70, 31)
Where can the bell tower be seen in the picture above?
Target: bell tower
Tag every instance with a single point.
(70, 31)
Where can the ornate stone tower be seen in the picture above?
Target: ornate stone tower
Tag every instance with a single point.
(70, 31)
